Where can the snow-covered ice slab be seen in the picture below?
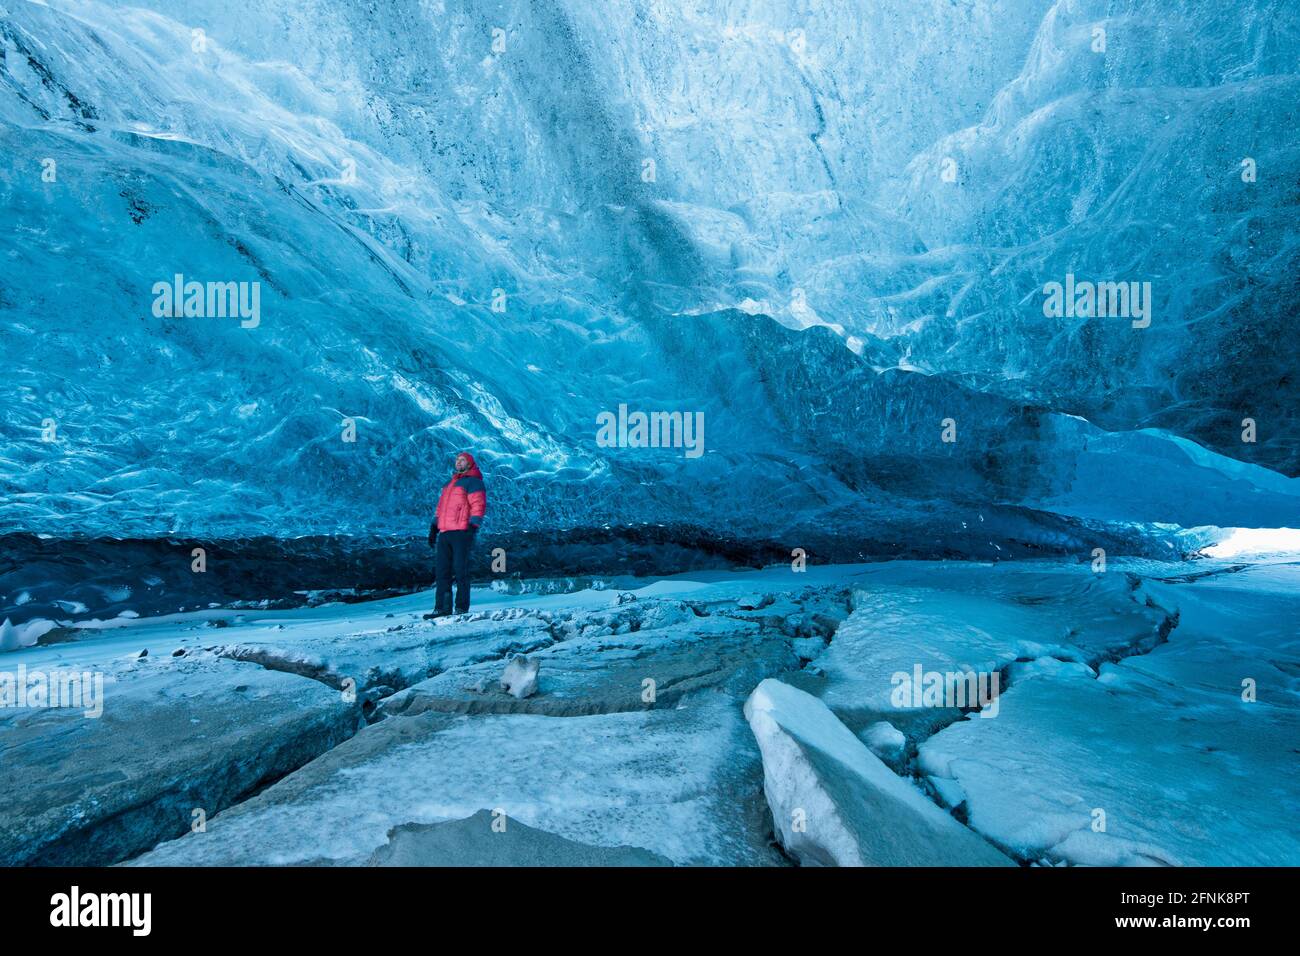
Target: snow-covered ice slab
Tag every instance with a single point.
(177, 735)
(681, 782)
(605, 673)
(834, 803)
(387, 646)
(379, 657)
(1158, 759)
(949, 617)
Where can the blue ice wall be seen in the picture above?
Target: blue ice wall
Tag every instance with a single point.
(826, 228)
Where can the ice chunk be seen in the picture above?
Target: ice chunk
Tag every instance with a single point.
(951, 617)
(178, 735)
(14, 637)
(520, 678)
(834, 803)
(884, 738)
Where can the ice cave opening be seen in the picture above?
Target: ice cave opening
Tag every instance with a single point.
(1237, 542)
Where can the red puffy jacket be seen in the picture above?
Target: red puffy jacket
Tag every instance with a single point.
(463, 501)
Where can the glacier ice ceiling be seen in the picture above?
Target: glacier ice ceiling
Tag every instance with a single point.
(826, 227)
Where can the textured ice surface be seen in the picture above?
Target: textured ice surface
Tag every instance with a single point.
(798, 266)
(234, 699)
(638, 663)
(1159, 758)
(480, 840)
(662, 780)
(176, 735)
(1162, 741)
(951, 617)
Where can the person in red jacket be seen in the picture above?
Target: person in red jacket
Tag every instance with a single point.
(461, 508)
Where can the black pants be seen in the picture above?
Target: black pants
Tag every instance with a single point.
(452, 561)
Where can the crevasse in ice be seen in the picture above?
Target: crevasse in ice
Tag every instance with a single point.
(482, 224)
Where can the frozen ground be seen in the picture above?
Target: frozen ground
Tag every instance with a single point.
(363, 734)
(1184, 770)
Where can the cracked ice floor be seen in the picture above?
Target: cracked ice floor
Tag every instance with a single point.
(308, 736)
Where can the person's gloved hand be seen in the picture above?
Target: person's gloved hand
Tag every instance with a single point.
(433, 534)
